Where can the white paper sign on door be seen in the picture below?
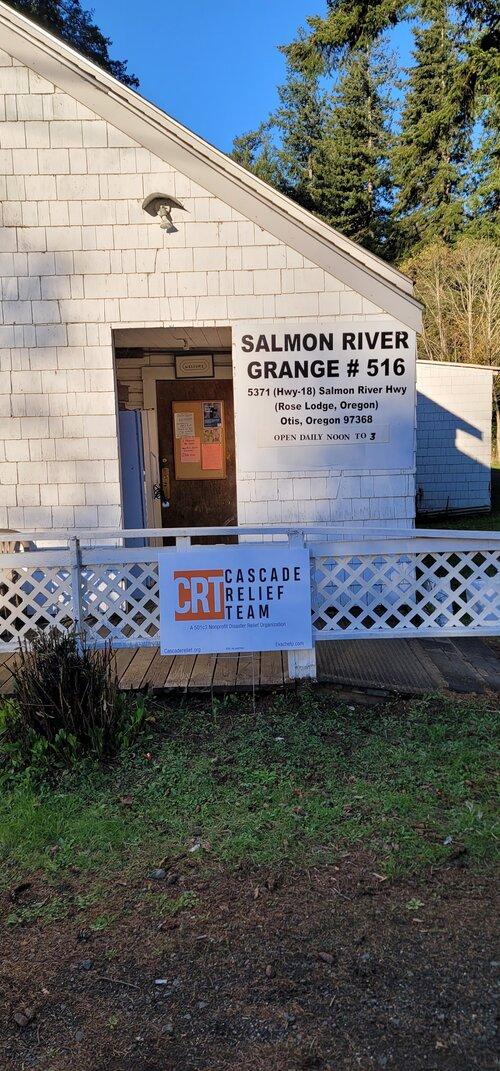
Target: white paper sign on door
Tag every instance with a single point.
(184, 425)
(235, 598)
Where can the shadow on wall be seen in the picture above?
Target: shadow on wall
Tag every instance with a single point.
(453, 460)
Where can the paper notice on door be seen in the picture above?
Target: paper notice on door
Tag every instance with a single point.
(211, 456)
(212, 414)
(212, 435)
(190, 450)
(184, 425)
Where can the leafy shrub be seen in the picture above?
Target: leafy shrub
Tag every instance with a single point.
(66, 703)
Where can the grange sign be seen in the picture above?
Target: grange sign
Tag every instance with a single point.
(311, 396)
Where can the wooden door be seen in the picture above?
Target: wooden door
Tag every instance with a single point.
(195, 503)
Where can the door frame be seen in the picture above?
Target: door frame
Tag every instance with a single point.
(150, 376)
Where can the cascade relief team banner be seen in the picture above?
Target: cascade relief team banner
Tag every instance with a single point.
(311, 396)
(229, 598)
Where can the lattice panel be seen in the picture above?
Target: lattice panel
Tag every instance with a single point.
(410, 594)
(31, 598)
(436, 592)
(120, 602)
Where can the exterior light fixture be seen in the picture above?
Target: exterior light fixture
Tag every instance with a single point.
(161, 205)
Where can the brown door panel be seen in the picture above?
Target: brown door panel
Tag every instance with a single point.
(195, 503)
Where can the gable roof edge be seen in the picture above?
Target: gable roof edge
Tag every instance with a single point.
(152, 128)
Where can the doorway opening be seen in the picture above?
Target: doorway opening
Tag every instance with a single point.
(178, 382)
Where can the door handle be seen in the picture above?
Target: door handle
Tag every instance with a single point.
(165, 480)
(162, 490)
(157, 494)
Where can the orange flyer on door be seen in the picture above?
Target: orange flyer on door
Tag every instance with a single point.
(211, 456)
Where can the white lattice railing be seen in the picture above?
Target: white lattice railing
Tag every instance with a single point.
(365, 584)
(433, 587)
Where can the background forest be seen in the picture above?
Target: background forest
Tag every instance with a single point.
(406, 162)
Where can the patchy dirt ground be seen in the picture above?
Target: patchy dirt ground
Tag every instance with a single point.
(333, 968)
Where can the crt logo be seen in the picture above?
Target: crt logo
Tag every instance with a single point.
(199, 595)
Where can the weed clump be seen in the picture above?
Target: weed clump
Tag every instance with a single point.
(66, 703)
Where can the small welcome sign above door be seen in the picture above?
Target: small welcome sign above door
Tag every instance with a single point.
(230, 599)
(194, 366)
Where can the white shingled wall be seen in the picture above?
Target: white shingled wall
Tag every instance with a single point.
(79, 258)
(454, 411)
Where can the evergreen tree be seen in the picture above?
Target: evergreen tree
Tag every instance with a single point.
(430, 156)
(480, 80)
(483, 205)
(348, 26)
(283, 150)
(246, 148)
(480, 72)
(256, 152)
(446, 185)
(69, 21)
(353, 162)
(353, 24)
(300, 121)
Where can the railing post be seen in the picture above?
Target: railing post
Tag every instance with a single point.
(76, 586)
(301, 664)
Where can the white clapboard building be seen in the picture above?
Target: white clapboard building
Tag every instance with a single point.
(454, 417)
(181, 345)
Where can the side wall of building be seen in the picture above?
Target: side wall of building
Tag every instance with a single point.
(454, 409)
(80, 258)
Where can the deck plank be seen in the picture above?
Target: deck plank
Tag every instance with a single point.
(202, 673)
(6, 679)
(271, 669)
(247, 676)
(155, 677)
(122, 659)
(180, 672)
(436, 679)
(482, 659)
(135, 672)
(457, 672)
(226, 670)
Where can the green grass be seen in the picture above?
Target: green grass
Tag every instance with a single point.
(302, 778)
(102, 922)
(166, 906)
(479, 522)
(469, 522)
(43, 912)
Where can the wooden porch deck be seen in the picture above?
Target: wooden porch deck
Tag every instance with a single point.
(405, 667)
(145, 669)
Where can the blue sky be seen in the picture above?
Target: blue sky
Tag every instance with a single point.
(212, 64)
